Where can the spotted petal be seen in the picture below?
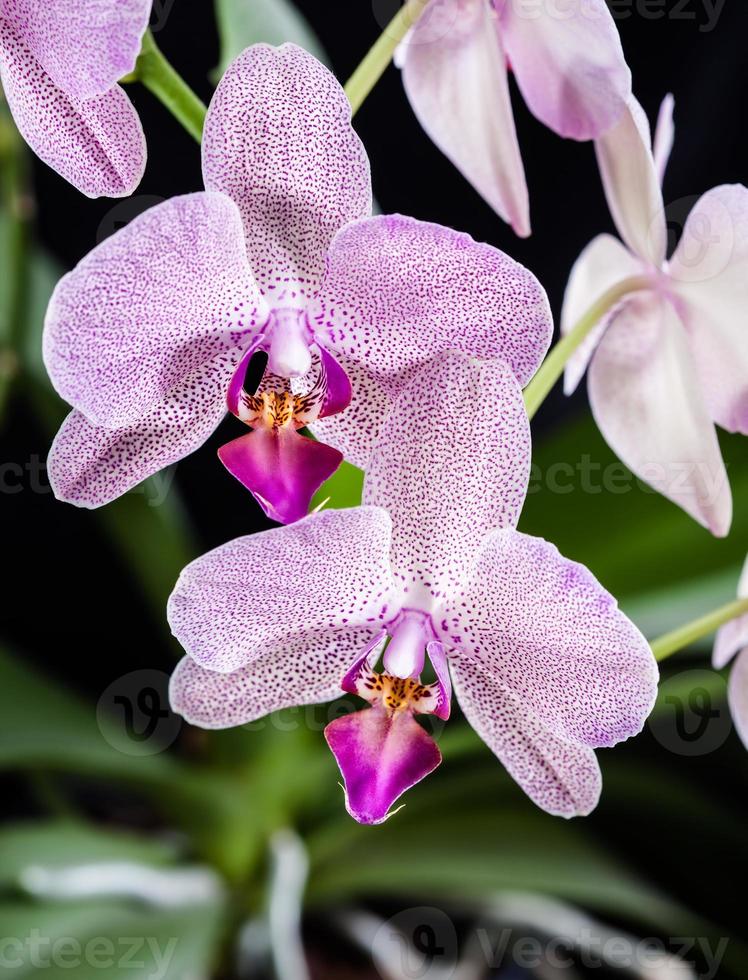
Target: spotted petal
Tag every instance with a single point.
(327, 572)
(645, 397)
(85, 47)
(278, 140)
(306, 670)
(143, 311)
(380, 755)
(562, 777)
(90, 465)
(398, 292)
(451, 464)
(545, 633)
(733, 636)
(710, 275)
(569, 65)
(737, 694)
(97, 145)
(455, 76)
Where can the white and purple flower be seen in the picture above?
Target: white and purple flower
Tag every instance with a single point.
(545, 666)
(731, 643)
(568, 63)
(150, 336)
(60, 61)
(670, 360)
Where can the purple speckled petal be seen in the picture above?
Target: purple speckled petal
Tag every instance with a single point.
(278, 140)
(85, 46)
(452, 463)
(398, 292)
(281, 468)
(380, 755)
(632, 184)
(604, 263)
(544, 629)
(646, 399)
(89, 465)
(569, 67)
(97, 145)
(143, 311)
(455, 76)
(306, 670)
(561, 777)
(710, 275)
(737, 695)
(327, 572)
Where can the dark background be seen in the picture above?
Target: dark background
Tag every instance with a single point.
(69, 602)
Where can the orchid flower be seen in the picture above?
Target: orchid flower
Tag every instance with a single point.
(150, 336)
(670, 360)
(568, 63)
(60, 61)
(732, 641)
(544, 665)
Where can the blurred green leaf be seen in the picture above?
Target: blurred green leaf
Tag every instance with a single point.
(107, 939)
(64, 843)
(245, 22)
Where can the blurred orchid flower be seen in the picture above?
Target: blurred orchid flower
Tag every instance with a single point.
(669, 361)
(545, 666)
(152, 333)
(568, 63)
(59, 63)
(732, 640)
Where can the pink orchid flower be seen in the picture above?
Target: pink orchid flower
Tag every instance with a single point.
(568, 63)
(60, 61)
(732, 641)
(150, 336)
(671, 360)
(545, 667)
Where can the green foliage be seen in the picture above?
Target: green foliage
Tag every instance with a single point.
(245, 22)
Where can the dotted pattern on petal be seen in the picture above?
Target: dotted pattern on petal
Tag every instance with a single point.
(399, 291)
(278, 140)
(307, 670)
(328, 571)
(149, 306)
(452, 463)
(560, 777)
(97, 145)
(85, 46)
(547, 631)
(89, 465)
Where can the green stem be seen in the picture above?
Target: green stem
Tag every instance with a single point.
(158, 76)
(553, 366)
(371, 69)
(697, 629)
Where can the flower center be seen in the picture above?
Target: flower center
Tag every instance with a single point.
(396, 693)
(289, 340)
(410, 634)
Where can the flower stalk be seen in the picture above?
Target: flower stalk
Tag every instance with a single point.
(553, 366)
(371, 69)
(697, 629)
(159, 77)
